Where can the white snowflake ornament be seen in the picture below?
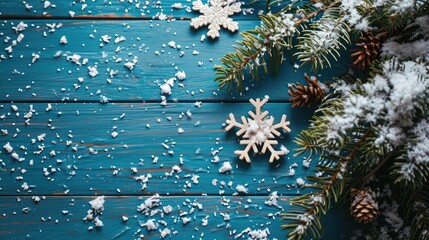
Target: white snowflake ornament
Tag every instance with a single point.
(216, 15)
(258, 130)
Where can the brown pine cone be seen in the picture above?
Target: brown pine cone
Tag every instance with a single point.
(308, 95)
(363, 208)
(368, 49)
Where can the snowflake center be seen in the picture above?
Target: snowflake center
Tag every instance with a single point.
(259, 131)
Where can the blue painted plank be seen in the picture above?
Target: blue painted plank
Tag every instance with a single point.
(88, 127)
(113, 9)
(56, 78)
(242, 214)
(46, 219)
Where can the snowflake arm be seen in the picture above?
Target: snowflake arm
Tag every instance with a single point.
(258, 116)
(244, 153)
(233, 123)
(283, 124)
(274, 154)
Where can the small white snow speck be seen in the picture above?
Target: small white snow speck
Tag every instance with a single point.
(63, 40)
(300, 182)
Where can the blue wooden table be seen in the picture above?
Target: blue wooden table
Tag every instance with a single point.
(68, 138)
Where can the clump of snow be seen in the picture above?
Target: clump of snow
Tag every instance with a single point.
(8, 147)
(63, 40)
(149, 203)
(257, 234)
(226, 167)
(273, 200)
(300, 182)
(165, 232)
(181, 75)
(241, 189)
(97, 204)
(97, 207)
(150, 225)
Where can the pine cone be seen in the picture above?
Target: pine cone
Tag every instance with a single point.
(368, 49)
(306, 95)
(363, 207)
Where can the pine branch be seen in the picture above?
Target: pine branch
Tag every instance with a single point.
(268, 40)
(307, 221)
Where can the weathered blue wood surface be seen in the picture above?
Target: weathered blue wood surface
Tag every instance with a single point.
(114, 9)
(138, 146)
(46, 219)
(69, 175)
(56, 78)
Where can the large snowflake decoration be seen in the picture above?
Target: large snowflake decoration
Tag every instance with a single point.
(258, 130)
(215, 15)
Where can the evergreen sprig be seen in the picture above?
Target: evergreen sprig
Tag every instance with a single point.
(352, 150)
(263, 48)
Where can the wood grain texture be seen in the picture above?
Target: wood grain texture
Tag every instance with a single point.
(46, 220)
(117, 9)
(89, 126)
(56, 78)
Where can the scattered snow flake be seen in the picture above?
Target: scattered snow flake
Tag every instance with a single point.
(273, 200)
(198, 104)
(167, 209)
(106, 38)
(98, 222)
(35, 57)
(165, 232)
(63, 40)
(300, 182)
(46, 4)
(149, 203)
(114, 134)
(284, 149)
(180, 130)
(8, 147)
(165, 89)
(185, 220)
(97, 204)
(216, 16)
(92, 71)
(150, 225)
(71, 13)
(254, 234)
(124, 218)
(181, 75)
(20, 27)
(172, 44)
(226, 167)
(120, 39)
(177, 6)
(241, 189)
(258, 131)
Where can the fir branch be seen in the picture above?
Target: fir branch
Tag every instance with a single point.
(307, 221)
(270, 39)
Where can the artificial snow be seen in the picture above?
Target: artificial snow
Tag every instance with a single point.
(97, 204)
(241, 189)
(181, 75)
(226, 167)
